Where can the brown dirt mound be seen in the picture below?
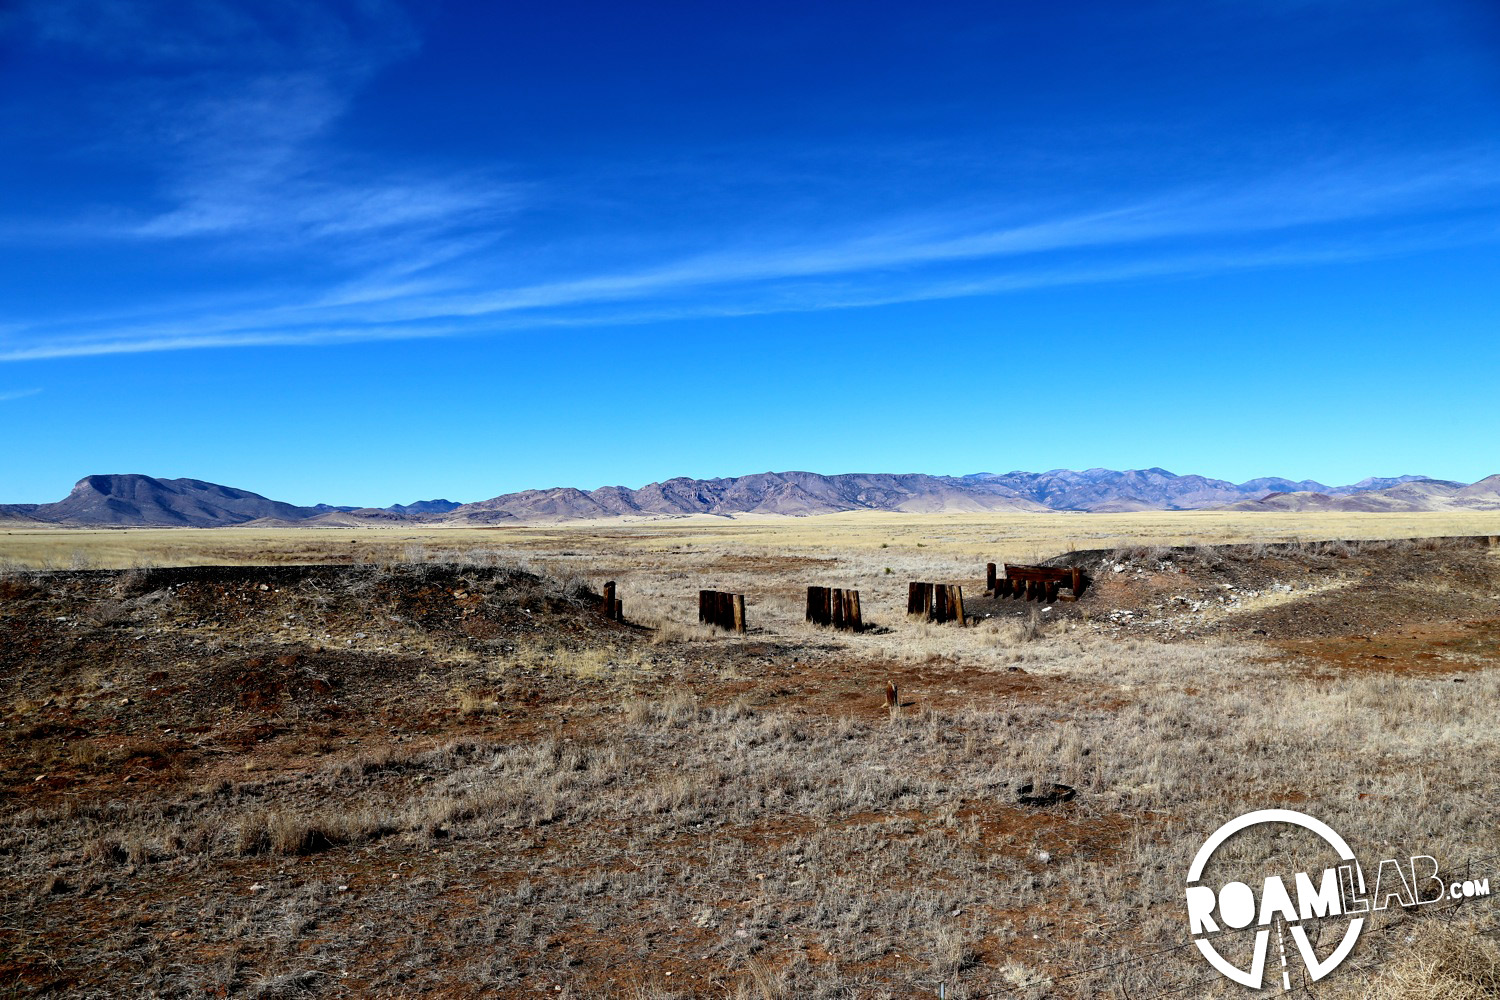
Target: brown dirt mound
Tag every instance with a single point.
(1291, 591)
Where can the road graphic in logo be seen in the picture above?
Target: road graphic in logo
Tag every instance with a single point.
(1338, 892)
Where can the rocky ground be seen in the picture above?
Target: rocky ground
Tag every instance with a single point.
(462, 780)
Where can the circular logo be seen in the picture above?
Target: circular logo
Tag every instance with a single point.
(1234, 906)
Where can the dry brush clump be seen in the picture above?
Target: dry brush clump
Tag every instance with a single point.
(283, 832)
(1441, 961)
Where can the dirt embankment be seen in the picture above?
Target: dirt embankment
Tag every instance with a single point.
(1317, 597)
(155, 673)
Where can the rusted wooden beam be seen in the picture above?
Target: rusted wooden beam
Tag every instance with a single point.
(1064, 576)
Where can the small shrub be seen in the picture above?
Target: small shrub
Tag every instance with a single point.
(106, 850)
(472, 701)
(283, 833)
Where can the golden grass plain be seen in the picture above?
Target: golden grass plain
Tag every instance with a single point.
(520, 814)
(1009, 536)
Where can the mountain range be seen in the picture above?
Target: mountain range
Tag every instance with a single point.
(137, 500)
(1415, 495)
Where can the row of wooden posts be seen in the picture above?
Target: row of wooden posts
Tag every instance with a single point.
(834, 606)
(936, 602)
(839, 607)
(727, 611)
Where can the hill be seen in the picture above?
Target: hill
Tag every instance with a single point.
(786, 493)
(137, 500)
(1409, 497)
(132, 500)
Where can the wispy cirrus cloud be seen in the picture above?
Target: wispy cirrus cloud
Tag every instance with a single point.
(6, 395)
(1191, 233)
(234, 109)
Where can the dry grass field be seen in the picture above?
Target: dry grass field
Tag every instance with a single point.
(1014, 537)
(348, 763)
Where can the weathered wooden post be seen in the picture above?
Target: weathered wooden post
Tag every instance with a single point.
(619, 610)
(940, 603)
(703, 608)
(989, 578)
(836, 602)
(913, 598)
(852, 616)
(814, 605)
(1077, 581)
(956, 603)
(738, 613)
(608, 604)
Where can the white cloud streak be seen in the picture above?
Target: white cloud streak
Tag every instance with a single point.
(754, 286)
(416, 250)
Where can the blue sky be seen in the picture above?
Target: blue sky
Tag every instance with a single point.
(365, 252)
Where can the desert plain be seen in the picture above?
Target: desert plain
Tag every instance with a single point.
(407, 761)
